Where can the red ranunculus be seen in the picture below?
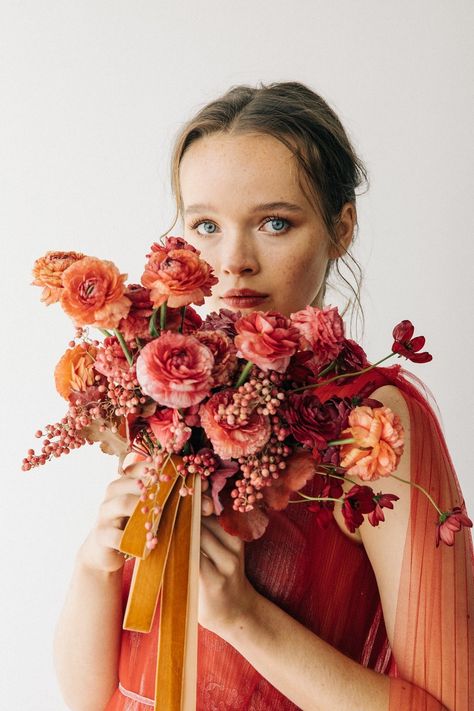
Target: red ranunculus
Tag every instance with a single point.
(313, 423)
(267, 338)
(407, 346)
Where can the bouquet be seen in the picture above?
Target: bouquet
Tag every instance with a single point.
(227, 405)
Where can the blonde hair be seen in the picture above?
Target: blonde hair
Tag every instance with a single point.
(306, 124)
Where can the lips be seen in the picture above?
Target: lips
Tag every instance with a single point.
(243, 298)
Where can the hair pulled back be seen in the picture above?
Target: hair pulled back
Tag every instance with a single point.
(301, 119)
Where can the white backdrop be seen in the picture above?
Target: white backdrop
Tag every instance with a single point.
(93, 93)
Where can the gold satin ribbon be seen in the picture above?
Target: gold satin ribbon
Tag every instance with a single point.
(172, 568)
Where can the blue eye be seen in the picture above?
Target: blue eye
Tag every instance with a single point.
(196, 224)
(281, 221)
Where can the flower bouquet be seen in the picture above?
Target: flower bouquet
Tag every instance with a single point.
(227, 405)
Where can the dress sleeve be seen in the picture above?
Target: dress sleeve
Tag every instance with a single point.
(434, 619)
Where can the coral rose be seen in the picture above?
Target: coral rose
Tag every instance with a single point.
(267, 338)
(75, 371)
(178, 277)
(321, 330)
(48, 273)
(231, 441)
(175, 370)
(94, 293)
(378, 445)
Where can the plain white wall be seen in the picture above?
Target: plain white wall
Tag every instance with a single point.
(93, 93)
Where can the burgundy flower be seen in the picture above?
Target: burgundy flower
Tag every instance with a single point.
(325, 486)
(358, 500)
(383, 501)
(352, 357)
(407, 346)
(135, 325)
(313, 423)
(450, 523)
(223, 320)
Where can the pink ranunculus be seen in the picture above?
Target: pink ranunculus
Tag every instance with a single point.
(169, 429)
(238, 439)
(267, 338)
(321, 330)
(175, 370)
(177, 276)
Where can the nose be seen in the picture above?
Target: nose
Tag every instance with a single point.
(238, 255)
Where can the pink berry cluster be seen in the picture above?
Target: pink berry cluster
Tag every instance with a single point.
(260, 393)
(203, 463)
(59, 438)
(258, 471)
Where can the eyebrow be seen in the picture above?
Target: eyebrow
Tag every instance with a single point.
(261, 207)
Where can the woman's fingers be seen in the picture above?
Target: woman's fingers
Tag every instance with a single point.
(207, 506)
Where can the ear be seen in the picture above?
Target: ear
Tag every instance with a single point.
(344, 230)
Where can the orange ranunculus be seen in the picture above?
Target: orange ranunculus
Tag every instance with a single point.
(378, 445)
(48, 272)
(93, 293)
(75, 370)
(177, 276)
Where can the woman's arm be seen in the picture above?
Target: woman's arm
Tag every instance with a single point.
(88, 632)
(304, 668)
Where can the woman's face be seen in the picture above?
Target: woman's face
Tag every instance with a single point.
(228, 185)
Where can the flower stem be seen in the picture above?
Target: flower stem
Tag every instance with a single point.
(333, 442)
(418, 486)
(163, 316)
(313, 498)
(183, 313)
(121, 340)
(343, 375)
(105, 333)
(244, 374)
(152, 325)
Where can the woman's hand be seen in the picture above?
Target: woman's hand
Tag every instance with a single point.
(100, 550)
(225, 594)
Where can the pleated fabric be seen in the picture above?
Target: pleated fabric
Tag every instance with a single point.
(324, 580)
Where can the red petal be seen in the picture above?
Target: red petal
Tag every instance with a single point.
(300, 468)
(403, 331)
(247, 526)
(418, 343)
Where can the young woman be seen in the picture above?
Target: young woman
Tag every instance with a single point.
(305, 617)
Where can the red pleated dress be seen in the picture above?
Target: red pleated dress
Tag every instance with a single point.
(325, 580)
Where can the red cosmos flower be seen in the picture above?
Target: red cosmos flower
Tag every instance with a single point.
(407, 346)
(175, 370)
(450, 522)
(383, 501)
(177, 276)
(231, 441)
(358, 500)
(267, 338)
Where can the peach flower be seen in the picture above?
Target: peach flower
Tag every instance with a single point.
(48, 272)
(237, 440)
(94, 293)
(322, 331)
(75, 370)
(267, 338)
(378, 445)
(178, 277)
(175, 370)
(169, 429)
